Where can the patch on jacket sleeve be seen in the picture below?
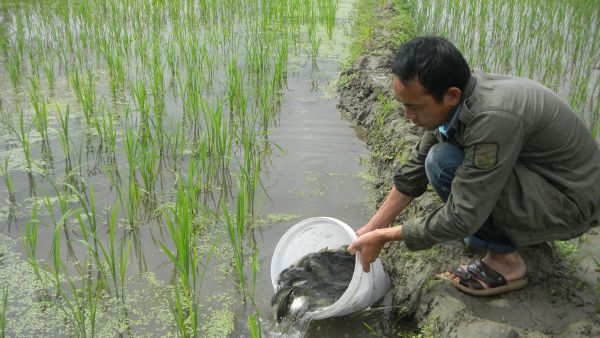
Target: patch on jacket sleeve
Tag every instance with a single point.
(485, 155)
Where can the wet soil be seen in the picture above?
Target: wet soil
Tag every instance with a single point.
(562, 299)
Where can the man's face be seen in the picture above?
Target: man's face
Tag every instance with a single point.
(421, 108)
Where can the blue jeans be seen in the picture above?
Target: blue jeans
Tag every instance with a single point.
(440, 165)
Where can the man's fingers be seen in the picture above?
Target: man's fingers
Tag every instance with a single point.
(352, 249)
(366, 266)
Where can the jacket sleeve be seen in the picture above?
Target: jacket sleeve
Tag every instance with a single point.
(411, 179)
(493, 142)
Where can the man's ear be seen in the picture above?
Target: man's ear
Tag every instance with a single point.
(452, 96)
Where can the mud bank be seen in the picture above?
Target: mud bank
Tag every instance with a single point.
(562, 297)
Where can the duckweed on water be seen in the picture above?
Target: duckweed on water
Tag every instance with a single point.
(277, 218)
(144, 312)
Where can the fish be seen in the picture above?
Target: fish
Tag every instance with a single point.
(315, 281)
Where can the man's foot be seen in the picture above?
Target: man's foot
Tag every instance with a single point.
(494, 274)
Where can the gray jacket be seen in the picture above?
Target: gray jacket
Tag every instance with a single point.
(530, 163)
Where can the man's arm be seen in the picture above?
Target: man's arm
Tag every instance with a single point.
(375, 233)
(410, 181)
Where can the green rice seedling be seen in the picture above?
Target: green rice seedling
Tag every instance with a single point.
(180, 223)
(75, 308)
(89, 95)
(4, 38)
(327, 10)
(269, 97)
(257, 54)
(254, 323)
(89, 229)
(131, 151)
(250, 167)
(313, 38)
(114, 63)
(22, 135)
(254, 264)
(171, 56)
(47, 159)
(30, 240)
(235, 230)
(82, 303)
(64, 206)
(85, 91)
(48, 67)
(219, 139)
(157, 88)
(109, 254)
(39, 106)
(183, 315)
(109, 132)
(76, 84)
(8, 180)
(124, 250)
(236, 97)
(4, 312)
(177, 144)
(134, 197)
(56, 262)
(147, 163)
(191, 96)
(97, 122)
(13, 67)
(140, 98)
(63, 135)
(92, 299)
(73, 172)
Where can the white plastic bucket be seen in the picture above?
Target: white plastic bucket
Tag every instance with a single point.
(314, 234)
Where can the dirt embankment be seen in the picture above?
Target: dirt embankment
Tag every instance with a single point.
(562, 297)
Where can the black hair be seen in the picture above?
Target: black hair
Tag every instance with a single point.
(435, 61)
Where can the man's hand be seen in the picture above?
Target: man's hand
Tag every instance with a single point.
(369, 245)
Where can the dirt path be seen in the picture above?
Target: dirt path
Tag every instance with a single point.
(562, 299)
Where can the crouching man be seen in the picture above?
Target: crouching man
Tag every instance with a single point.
(513, 163)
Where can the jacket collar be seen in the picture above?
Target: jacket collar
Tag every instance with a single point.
(464, 114)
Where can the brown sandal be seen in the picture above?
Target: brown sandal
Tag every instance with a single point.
(470, 280)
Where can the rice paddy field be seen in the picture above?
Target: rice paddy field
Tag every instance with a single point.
(153, 152)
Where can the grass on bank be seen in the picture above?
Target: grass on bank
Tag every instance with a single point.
(375, 28)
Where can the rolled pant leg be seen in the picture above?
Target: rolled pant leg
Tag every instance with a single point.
(441, 164)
